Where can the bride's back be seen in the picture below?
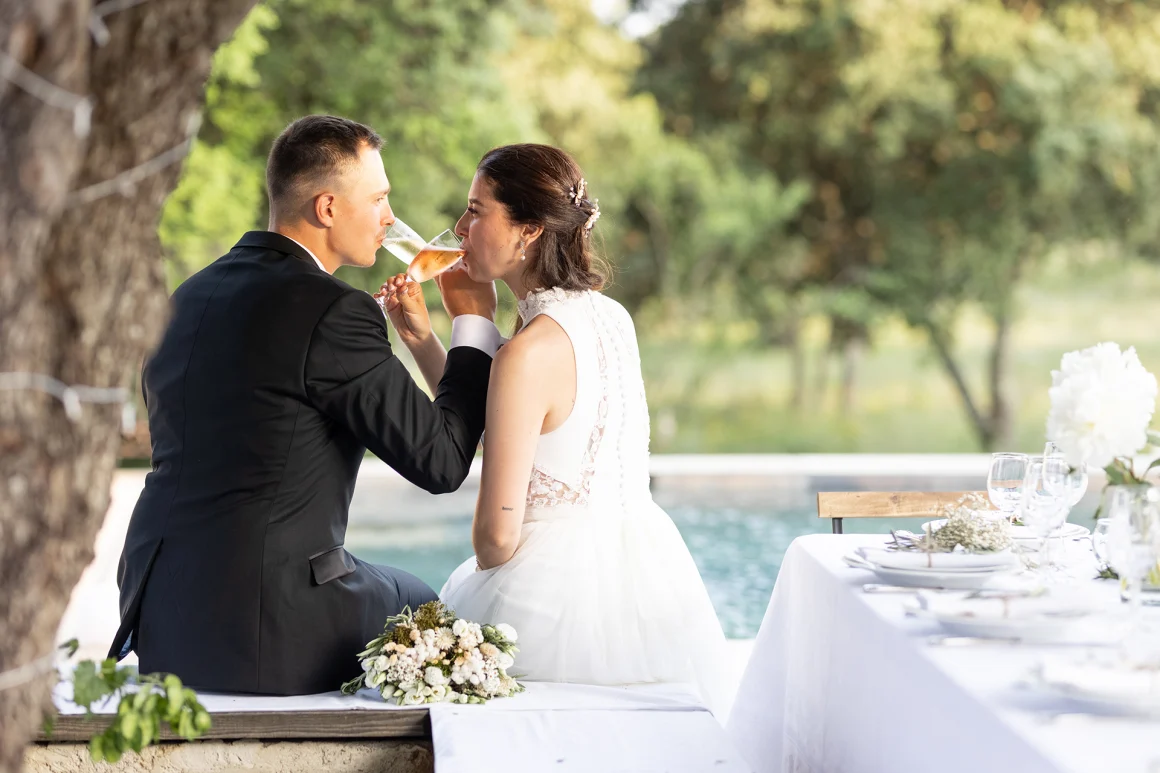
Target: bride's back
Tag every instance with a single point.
(599, 456)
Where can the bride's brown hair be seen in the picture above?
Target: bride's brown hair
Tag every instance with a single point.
(542, 185)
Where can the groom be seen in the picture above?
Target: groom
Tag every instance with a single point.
(269, 384)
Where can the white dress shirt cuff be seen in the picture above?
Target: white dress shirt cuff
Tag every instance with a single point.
(476, 332)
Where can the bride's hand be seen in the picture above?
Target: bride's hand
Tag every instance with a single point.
(403, 301)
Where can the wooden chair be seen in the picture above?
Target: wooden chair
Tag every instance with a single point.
(838, 505)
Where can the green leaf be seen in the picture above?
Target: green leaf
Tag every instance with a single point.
(89, 686)
(354, 685)
(70, 647)
(111, 745)
(148, 731)
(48, 725)
(1116, 476)
(202, 720)
(130, 726)
(97, 748)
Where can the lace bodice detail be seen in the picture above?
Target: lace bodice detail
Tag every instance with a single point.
(539, 301)
(600, 452)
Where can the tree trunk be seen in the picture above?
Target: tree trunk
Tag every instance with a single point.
(797, 361)
(979, 423)
(822, 373)
(83, 295)
(1000, 418)
(852, 353)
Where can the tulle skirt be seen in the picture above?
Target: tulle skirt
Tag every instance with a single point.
(601, 597)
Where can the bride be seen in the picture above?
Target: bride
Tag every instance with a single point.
(570, 548)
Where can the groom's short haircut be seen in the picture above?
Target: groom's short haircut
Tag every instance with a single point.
(308, 154)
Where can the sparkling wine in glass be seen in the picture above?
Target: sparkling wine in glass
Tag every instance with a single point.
(1005, 481)
(437, 256)
(403, 242)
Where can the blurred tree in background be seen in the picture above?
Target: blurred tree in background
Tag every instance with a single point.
(760, 164)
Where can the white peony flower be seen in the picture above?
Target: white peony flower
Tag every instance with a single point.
(434, 676)
(504, 660)
(508, 632)
(1102, 403)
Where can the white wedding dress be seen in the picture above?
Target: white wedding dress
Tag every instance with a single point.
(601, 589)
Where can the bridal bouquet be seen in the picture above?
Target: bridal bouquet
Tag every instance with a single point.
(433, 657)
(1102, 401)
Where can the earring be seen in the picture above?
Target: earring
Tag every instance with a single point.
(523, 254)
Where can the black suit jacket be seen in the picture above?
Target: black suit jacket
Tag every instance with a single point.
(270, 382)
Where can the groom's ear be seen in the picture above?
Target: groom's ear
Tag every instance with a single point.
(324, 209)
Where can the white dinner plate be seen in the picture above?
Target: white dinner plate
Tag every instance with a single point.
(1102, 685)
(1024, 534)
(958, 580)
(913, 560)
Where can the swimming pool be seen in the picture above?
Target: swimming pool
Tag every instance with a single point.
(737, 530)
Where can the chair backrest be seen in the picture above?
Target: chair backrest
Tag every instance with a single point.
(838, 505)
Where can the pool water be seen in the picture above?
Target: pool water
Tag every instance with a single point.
(738, 548)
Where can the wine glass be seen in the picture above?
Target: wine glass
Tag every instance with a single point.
(1077, 477)
(1044, 504)
(1134, 537)
(1005, 482)
(438, 255)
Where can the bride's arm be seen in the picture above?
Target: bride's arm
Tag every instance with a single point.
(516, 407)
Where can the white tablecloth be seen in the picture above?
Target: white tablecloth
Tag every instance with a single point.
(842, 681)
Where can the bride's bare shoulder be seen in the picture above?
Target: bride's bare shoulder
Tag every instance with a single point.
(541, 344)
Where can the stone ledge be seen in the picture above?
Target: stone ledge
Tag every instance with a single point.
(393, 756)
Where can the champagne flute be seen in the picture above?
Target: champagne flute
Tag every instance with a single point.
(1005, 482)
(402, 241)
(438, 255)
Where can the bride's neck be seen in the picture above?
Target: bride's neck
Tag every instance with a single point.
(515, 283)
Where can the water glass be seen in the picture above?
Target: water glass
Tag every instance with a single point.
(1044, 505)
(1099, 538)
(1005, 482)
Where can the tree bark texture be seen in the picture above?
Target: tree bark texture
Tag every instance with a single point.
(82, 292)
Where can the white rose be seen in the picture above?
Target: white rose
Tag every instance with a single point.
(434, 676)
(508, 632)
(1102, 402)
(459, 627)
(504, 660)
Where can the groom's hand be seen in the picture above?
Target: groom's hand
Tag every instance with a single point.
(463, 295)
(405, 307)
